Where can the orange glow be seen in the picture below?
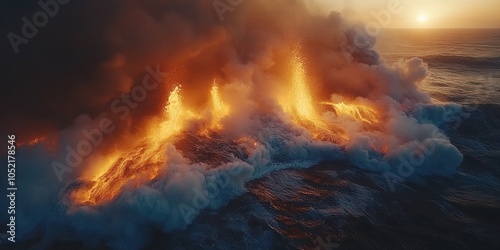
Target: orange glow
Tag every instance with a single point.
(299, 101)
(219, 108)
(356, 112)
(302, 99)
(49, 142)
(141, 164)
(32, 142)
(147, 158)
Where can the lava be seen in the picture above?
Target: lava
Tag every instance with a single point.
(356, 112)
(143, 162)
(219, 108)
(147, 159)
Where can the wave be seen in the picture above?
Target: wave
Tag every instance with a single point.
(478, 135)
(475, 62)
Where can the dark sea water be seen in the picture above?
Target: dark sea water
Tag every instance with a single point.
(464, 64)
(334, 205)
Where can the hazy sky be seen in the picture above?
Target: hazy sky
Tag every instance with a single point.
(433, 13)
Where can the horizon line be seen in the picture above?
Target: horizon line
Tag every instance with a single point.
(448, 28)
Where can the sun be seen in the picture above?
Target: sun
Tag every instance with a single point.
(422, 18)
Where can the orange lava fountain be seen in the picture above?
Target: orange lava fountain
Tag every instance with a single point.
(147, 158)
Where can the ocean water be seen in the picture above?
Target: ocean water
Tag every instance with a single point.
(333, 205)
(464, 63)
(283, 198)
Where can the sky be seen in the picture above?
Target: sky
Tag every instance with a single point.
(85, 35)
(424, 13)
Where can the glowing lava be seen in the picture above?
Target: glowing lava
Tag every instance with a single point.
(147, 158)
(141, 164)
(302, 99)
(356, 112)
(298, 102)
(219, 108)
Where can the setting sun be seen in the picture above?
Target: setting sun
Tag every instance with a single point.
(282, 124)
(422, 18)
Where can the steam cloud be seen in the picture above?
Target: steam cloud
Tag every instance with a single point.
(101, 53)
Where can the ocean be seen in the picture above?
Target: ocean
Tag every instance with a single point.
(272, 178)
(464, 63)
(334, 205)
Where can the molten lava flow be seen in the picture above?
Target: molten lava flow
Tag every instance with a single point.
(357, 112)
(141, 164)
(37, 140)
(219, 108)
(147, 158)
(176, 116)
(302, 99)
(299, 101)
(301, 106)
